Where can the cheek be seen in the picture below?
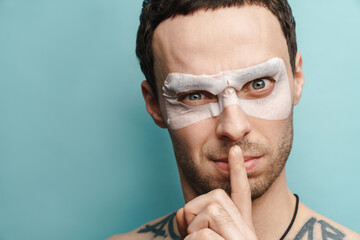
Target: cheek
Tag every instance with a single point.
(292, 86)
(272, 130)
(196, 135)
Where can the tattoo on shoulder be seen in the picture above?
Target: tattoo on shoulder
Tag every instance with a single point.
(327, 231)
(159, 228)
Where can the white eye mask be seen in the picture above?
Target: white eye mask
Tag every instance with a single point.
(275, 106)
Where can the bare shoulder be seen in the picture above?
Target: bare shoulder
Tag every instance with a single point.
(312, 225)
(161, 228)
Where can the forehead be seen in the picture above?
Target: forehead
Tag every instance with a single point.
(209, 42)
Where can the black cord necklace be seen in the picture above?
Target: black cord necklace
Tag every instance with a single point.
(293, 218)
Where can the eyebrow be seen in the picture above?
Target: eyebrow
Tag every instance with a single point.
(189, 82)
(184, 82)
(269, 64)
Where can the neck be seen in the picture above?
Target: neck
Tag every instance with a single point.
(273, 211)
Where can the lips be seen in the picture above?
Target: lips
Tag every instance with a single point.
(249, 162)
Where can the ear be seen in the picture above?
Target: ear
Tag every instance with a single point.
(299, 78)
(152, 104)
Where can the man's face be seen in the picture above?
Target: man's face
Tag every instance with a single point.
(209, 42)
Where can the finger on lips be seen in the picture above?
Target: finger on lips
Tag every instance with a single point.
(214, 214)
(240, 187)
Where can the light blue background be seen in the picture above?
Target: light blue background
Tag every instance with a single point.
(81, 159)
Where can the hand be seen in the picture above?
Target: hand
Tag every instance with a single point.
(217, 216)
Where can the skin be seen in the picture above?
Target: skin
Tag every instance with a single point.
(209, 42)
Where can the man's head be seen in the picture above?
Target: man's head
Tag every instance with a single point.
(211, 39)
(156, 11)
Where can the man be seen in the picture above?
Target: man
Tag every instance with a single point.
(223, 77)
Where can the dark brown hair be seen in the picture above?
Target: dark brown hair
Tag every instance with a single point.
(156, 11)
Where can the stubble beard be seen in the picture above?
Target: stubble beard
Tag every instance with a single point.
(202, 183)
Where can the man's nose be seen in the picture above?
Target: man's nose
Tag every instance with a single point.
(232, 124)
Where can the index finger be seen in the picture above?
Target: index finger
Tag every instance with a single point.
(240, 187)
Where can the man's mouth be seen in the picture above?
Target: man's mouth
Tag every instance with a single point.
(250, 163)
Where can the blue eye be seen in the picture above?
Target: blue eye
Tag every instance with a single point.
(258, 84)
(197, 98)
(194, 96)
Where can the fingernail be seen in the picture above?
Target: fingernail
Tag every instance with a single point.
(236, 149)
